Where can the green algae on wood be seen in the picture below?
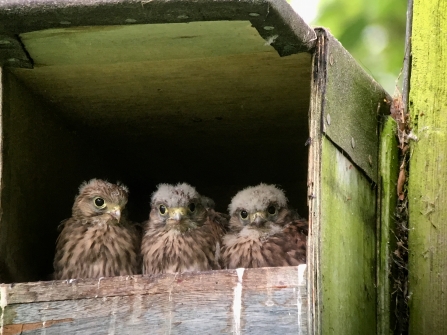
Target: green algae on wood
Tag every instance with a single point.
(353, 101)
(348, 240)
(388, 172)
(427, 189)
(346, 103)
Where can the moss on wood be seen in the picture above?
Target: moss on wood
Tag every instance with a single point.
(427, 191)
(388, 172)
(348, 241)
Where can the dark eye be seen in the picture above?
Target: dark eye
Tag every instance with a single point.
(192, 207)
(99, 202)
(244, 214)
(271, 210)
(162, 209)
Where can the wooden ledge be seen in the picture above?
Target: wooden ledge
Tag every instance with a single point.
(242, 300)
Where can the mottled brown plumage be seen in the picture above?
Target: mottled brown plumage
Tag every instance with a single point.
(97, 241)
(263, 231)
(181, 234)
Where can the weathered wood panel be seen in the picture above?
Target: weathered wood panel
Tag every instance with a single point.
(388, 172)
(318, 85)
(342, 189)
(427, 188)
(352, 103)
(269, 17)
(348, 246)
(231, 301)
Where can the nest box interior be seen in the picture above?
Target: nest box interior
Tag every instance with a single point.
(208, 103)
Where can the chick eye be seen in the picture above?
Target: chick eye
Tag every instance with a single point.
(244, 214)
(99, 202)
(271, 210)
(192, 207)
(162, 209)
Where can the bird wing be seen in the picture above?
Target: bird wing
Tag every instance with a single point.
(289, 246)
(92, 251)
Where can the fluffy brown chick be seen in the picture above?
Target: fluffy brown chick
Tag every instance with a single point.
(181, 234)
(263, 231)
(97, 241)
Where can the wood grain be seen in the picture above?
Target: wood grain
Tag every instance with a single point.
(427, 180)
(178, 304)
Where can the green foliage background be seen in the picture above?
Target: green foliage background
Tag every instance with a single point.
(372, 31)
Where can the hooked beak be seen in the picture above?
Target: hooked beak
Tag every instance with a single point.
(258, 218)
(116, 213)
(177, 213)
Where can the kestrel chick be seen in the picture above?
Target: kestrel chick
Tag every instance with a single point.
(263, 231)
(97, 241)
(181, 234)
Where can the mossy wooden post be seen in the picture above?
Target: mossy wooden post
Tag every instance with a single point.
(427, 190)
(346, 105)
(388, 172)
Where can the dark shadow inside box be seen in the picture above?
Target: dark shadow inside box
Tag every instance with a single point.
(208, 103)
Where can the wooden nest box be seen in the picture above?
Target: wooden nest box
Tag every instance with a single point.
(220, 94)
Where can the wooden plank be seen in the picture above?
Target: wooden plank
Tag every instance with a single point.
(106, 45)
(348, 239)
(238, 301)
(271, 18)
(388, 170)
(318, 83)
(352, 104)
(342, 193)
(130, 285)
(427, 188)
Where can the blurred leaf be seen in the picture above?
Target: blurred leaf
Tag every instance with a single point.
(347, 21)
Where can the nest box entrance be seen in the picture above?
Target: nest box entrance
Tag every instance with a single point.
(219, 94)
